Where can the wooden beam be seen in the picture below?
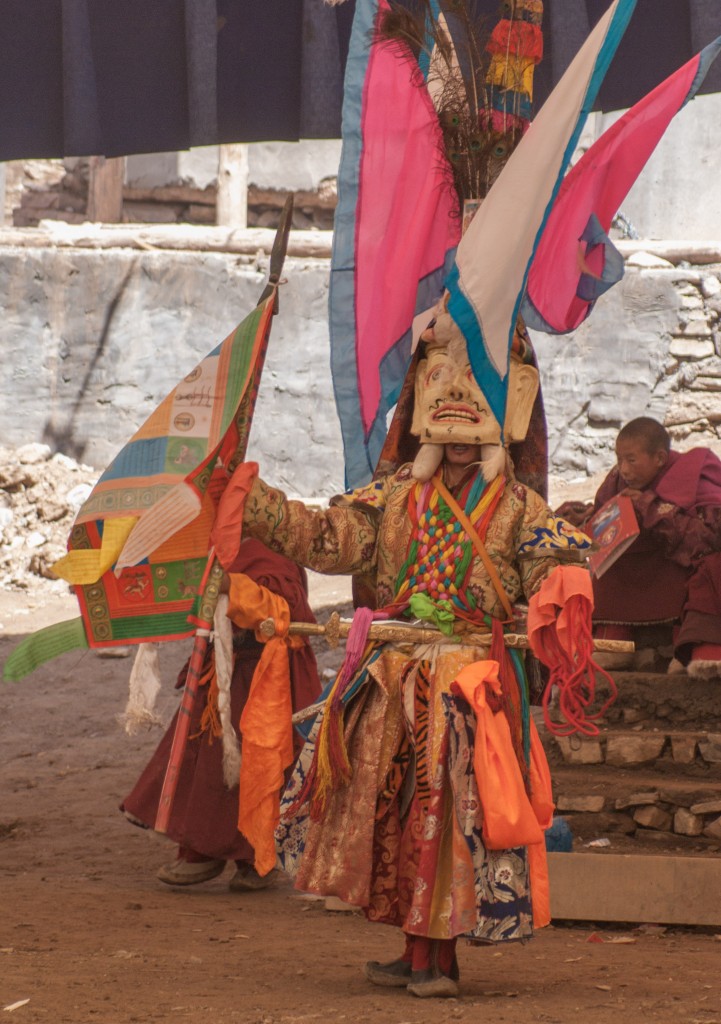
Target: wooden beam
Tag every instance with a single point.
(171, 194)
(105, 189)
(323, 198)
(635, 888)
(698, 253)
(191, 237)
(311, 243)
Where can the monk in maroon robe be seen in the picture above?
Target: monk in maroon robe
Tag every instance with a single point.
(204, 817)
(672, 572)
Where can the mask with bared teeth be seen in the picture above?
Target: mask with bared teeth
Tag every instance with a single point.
(449, 406)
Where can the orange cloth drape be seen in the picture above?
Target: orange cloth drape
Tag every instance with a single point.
(227, 530)
(560, 635)
(510, 818)
(549, 607)
(265, 725)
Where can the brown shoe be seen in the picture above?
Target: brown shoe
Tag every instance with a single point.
(183, 872)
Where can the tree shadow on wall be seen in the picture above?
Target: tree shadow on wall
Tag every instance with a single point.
(61, 436)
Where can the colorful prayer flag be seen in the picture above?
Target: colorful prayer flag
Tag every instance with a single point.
(138, 552)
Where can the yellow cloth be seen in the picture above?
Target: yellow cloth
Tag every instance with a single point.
(265, 725)
(86, 567)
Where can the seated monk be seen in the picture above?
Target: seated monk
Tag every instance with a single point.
(672, 572)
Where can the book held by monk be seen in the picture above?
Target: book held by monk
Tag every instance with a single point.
(613, 529)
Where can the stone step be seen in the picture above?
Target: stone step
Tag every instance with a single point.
(635, 888)
(651, 779)
(619, 784)
(679, 701)
(668, 749)
(598, 801)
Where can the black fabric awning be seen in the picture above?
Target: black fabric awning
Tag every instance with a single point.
(112, 77)
(662, 35)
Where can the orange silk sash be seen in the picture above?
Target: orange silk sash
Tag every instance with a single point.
(265, 724)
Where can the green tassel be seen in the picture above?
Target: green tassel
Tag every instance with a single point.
(42, 646)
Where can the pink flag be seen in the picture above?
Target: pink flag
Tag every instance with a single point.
(575, 261)
(393, 233)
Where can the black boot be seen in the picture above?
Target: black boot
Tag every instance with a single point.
(395, 974)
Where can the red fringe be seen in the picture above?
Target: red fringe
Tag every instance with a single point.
(574, 672)
(330, 766)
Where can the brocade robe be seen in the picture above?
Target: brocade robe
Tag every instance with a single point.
(368, 531)
(402, 839)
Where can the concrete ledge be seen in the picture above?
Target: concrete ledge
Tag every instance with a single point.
(628, 887)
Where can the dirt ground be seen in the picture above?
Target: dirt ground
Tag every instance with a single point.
(88, 934)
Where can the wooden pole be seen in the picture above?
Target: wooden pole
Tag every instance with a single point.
(182, 727)
(232, 203)
(187, 701)
(105, 189)
(336, 629)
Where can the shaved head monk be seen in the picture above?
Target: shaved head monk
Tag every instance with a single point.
(671, 574)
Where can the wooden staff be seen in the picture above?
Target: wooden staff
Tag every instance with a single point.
(336, 629)
(187, 701)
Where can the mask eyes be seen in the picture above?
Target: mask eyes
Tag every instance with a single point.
(444, 373)
(439, 374)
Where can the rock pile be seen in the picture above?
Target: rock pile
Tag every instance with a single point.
(40, 494)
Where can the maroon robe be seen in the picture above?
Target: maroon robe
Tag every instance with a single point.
(204, 816)
(671, 570)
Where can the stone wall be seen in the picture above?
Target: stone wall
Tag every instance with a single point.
(93, 340)
(651, 347)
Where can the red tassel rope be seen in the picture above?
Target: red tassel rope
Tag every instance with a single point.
(573, 672)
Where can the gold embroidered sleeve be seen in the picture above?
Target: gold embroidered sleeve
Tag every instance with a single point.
(533, 573)
(544, 541)
(337, 540)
